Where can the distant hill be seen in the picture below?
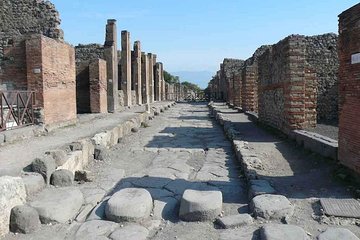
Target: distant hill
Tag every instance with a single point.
(201, 78)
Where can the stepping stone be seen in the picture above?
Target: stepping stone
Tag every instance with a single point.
(280, 231)
(62, 178)
(13, 193)
(336, 234)
(200, 205)
(259, 187)
(130, 232)
(129, 204)
(34, 182)
(58, 205)
(24, 219)
(95, 229)
(235, 221)
(271, 207)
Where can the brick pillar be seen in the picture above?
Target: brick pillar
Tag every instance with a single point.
(163, 87)
(157, 80)
(126, 67)
(136, 73)
(349, 88)
(98, 86)
(145, 89)
(151, 76)
(110, 55)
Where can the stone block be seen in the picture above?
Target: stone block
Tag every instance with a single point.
(45, 166)
(200, 205)
(59, 155)
(62, 178)
(235, 221)
(130, 204)
(13, 193)
(269, 206)
(281, 231)
(24, 219)
(58, 205)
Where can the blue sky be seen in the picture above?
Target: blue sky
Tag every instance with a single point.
(195, 35)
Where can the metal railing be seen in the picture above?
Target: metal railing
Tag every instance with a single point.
(16, 109)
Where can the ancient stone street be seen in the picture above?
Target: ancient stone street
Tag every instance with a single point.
(162, 182)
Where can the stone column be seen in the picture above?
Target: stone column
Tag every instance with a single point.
(145, 86)
(110, 55)
(157, 80)
(136, 74)
(151, 76)
(126, 67)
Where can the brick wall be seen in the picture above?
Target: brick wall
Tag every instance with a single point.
(249, 85)
(349, 90)
(22, 17)
(98, 86)
(55, 82)
(286, 99)
(230, 72)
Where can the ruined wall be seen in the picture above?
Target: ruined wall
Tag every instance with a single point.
(88, 52)
(349, 91)
(287, 99)
(230, 77)
(322, 56)
(19, 18)
(249, 84)
(51, 73)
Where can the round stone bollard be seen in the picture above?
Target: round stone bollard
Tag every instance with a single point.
(200, 205)
(129, 205)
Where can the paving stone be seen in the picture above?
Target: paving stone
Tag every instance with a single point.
(58, 205)
(341, 207)
(24, 219)
(235, 221)
(259, 187)
(281, 231)
(166, 208)
(151, 182)
(130, 204)
(13, 193)
(337, 234)
(200, 205)
(271, 206)
(34, 182)
(62, 178)
(45, 166)
(94, 229)
(238, 234)
(59, 155)
(130, 232)
(178, 186)
(157, 193)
